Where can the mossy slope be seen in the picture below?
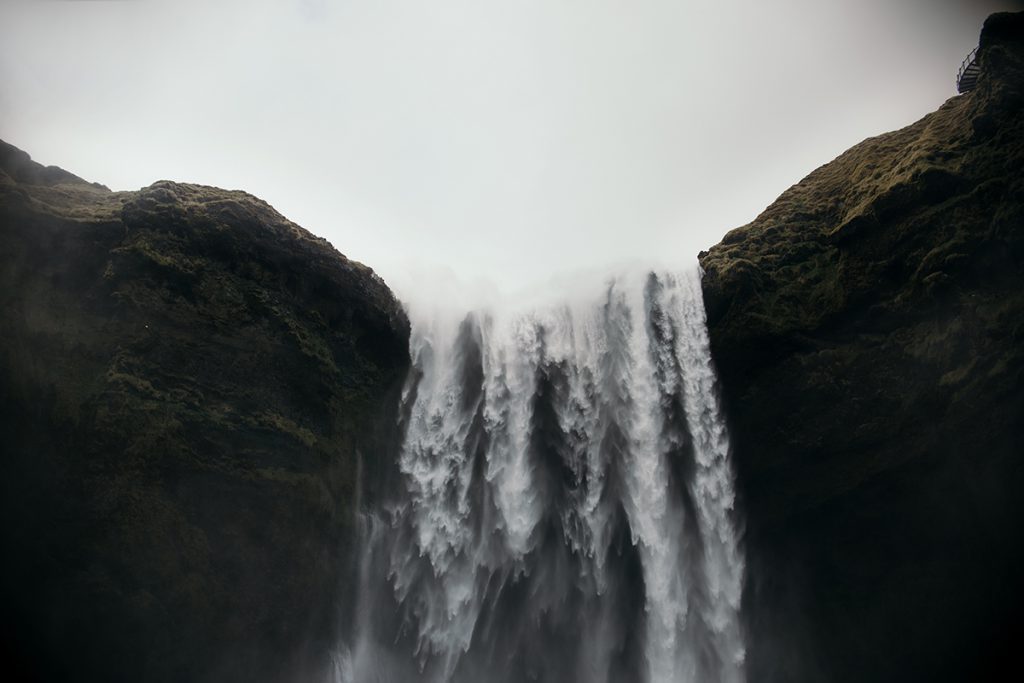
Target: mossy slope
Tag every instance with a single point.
(189, 383)
(869, 332)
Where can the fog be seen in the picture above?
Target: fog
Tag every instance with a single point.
(500, 143)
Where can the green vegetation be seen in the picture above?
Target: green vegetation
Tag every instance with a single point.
(189, 381)
(867, 328)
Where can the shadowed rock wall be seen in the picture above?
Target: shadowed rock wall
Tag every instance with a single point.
(869, 332)
(189, 383)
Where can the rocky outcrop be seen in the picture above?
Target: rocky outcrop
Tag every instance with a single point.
(189, 385)
(869, 332)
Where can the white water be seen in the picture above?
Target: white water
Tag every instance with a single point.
(565, 510)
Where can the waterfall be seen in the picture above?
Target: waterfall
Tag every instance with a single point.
(565, 505)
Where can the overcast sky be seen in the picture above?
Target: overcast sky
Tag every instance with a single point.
(508, 141)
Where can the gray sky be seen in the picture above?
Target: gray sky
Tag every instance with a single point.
(508, 141)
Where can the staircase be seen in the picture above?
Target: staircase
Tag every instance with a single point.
(967, 77)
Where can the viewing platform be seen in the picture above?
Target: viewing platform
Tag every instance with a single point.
(967, 77)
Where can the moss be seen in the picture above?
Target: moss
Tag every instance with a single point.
(185, 392)
(138, 384)
(867, 331)
(286, 426)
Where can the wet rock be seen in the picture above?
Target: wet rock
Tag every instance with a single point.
(867, 330)
(190, 384)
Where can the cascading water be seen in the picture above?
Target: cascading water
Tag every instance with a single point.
(565, 505)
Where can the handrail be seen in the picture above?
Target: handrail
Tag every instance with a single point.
(969, 61)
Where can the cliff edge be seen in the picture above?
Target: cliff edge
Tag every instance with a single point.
(189, 384)
(869, 332)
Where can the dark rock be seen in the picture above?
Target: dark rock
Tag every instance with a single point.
(867, 328)
(189, 383)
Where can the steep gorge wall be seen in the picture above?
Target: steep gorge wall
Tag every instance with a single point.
(868, 328)
(188, 384)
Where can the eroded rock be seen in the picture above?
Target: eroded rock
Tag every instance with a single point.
(868, 331)
(190, 383)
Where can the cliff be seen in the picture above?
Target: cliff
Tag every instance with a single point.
(869, 332)
(190, 384)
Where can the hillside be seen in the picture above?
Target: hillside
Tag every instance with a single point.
(190, 384)
(868, 328)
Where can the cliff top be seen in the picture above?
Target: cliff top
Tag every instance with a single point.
(192, 385)
(795, 257)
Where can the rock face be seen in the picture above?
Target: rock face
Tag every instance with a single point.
(189, 386)
(869, 332)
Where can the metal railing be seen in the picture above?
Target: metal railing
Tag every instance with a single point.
(967, 76)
